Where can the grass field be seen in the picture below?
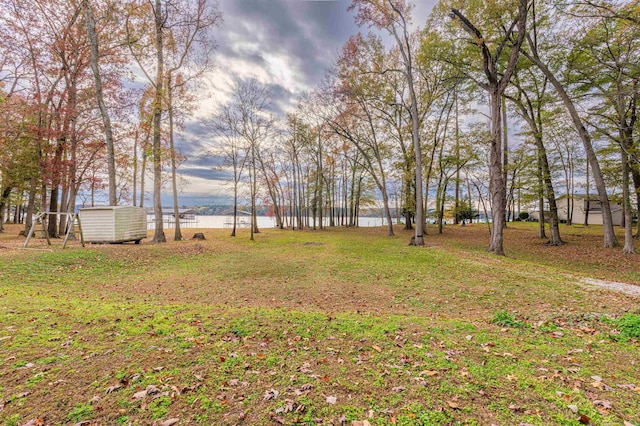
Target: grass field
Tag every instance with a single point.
(331, 327)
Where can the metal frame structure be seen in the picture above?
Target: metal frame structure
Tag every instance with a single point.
(40, 217)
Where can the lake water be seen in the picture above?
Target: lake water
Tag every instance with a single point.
(263, 222)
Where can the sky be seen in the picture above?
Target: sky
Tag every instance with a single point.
(286, 45)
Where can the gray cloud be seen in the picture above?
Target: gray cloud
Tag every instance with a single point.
(308, 33)
(208, 173)
(285, 44)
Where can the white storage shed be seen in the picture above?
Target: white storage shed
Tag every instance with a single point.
(113, 224)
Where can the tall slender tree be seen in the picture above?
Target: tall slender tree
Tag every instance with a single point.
(497, 76)
(92, 35)
(394, 16)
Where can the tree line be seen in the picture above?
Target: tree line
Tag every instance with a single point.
(419, 118)
(75, 116)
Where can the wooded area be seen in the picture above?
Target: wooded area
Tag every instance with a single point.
(422, 122)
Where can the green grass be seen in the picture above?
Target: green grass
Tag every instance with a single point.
(80, 412)
(629, 326)
(397, 334)
(505, 319)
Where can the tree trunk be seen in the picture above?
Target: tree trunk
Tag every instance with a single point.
(64, 208)
(495, 86)
(405, 50)
(554, 228)
(320, 201)
(294, 191)
(635, 175)
(52, 224)
(505, 150)
(135, 169)
(28, 223)
(4, 196)
(534, 120)
(609, 234)
(456, 208)
(253, 188)
(158, 236)
(626, 199)
(177, 236)
(143, 169)
(235, 204)
(541, 229)
(93, 40)
(587, 201)
(497, 187)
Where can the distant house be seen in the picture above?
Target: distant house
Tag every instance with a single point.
(580, 204)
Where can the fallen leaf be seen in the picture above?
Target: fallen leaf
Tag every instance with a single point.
(453, 405)
(152, 390)
(398, 388)
(584, 419)
(140, 395)
(603, 403)
(34, 422)
(113, 388)
(270, 394)
(304, 368)
(628, 386)
(331, 400)
(377, 348)
(573, 408)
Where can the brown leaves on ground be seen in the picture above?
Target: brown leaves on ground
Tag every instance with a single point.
(324, 351)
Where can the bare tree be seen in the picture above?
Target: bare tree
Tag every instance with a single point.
(248, 116)
(394, 16)
(189, 50)
(147, 49)
(229, 145)
(90, 25)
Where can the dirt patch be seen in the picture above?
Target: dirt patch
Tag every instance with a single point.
(582, 255)
(630, 289)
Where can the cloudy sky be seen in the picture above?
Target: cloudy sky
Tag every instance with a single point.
(286, 45)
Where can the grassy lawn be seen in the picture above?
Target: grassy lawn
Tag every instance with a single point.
(320, 327)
